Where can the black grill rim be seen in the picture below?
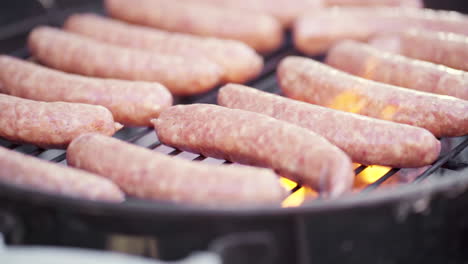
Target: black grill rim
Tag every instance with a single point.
(449, 186)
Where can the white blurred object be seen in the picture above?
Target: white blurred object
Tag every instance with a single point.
(50, 255)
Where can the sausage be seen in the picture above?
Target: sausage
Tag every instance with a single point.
(438, 47)
(366, 140)
(51, 124)
(285, 11)
(260, 31)
(407, 3)
(254, 139)
(374, 64)
(316, 32)
(150, 175)
(239, 62)
(77, 54)
(131, 103)
(33, 173)
(310, 81)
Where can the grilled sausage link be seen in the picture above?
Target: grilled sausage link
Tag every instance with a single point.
(407, 3)
(260, 31)
(51, 124)
(286, 11)
(366, 140)
(239, 61)
(131, 103)
(76, 54)
(151, 175)
(310, 81)
(316, 32)
(250, 138)
(33, 173)
(444, 48)
(374, 64)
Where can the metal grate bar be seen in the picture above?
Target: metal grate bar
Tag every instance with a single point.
(360, 169)
(379, 182)
(438, 164)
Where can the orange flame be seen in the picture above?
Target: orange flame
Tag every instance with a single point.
(297, 198)
(348, 102)
(370, 175)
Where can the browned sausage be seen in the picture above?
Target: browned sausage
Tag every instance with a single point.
(239, 61)
(316, 32)
(260, 31)
(151, 175)
(438, 47)
(286, 11)
(307, 80)
(408, 3)
(131, 103)
(77, 54)
(51, 124)
(365, 61)
(255, 139)
(366, 140)
(33, 173)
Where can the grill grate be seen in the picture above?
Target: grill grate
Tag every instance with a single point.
(146, 137)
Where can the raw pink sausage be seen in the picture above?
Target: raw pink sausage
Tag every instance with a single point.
(444, 48)
(310, 81)
(239, 61)
(131, 103)
(251, 138)
(77, 54)
(151, 175)
(258, 30)
(316, 32)
(286, 11)
(365, 61)
(366, 140)
(33, 173)
(51, 124)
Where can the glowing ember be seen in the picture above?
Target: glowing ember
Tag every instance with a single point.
(388, 112)
(349, 102)
(298, 197)
(287, 183)
(373, 173)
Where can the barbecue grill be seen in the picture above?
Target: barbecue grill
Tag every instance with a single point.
(424, 220)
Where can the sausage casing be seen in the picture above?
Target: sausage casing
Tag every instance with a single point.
(239, 61)
(251, 138)
(131, 103)
(151, 175)
(310, 81)
(286, 11)
(77, 54)
(374, 64)
(51, 124)
(366, 140)
(260, 31)
(33, 173)
(444, 48)
(316, 32)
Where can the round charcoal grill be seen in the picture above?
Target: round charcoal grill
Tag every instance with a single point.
(424, 220)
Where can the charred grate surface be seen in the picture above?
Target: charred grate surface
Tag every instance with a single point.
(15, 35)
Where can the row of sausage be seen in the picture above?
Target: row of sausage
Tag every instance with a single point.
(307, 142)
